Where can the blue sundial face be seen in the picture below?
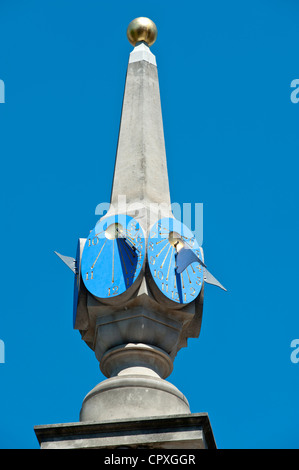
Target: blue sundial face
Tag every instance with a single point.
(167, 237)
(113, 256)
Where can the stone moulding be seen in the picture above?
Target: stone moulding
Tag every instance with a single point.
(164, 432)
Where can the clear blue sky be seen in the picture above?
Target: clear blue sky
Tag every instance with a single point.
(232, 140)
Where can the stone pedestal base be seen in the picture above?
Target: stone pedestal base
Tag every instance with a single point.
(192, 431)
(132, 396)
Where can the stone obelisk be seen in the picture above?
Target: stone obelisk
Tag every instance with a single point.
(137, 337)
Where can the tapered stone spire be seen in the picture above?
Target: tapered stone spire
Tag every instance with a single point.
(140, 169)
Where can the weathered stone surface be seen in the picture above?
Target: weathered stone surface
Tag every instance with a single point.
(132, 396)
(130, 359)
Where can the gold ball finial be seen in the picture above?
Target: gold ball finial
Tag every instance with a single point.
(142, 29)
